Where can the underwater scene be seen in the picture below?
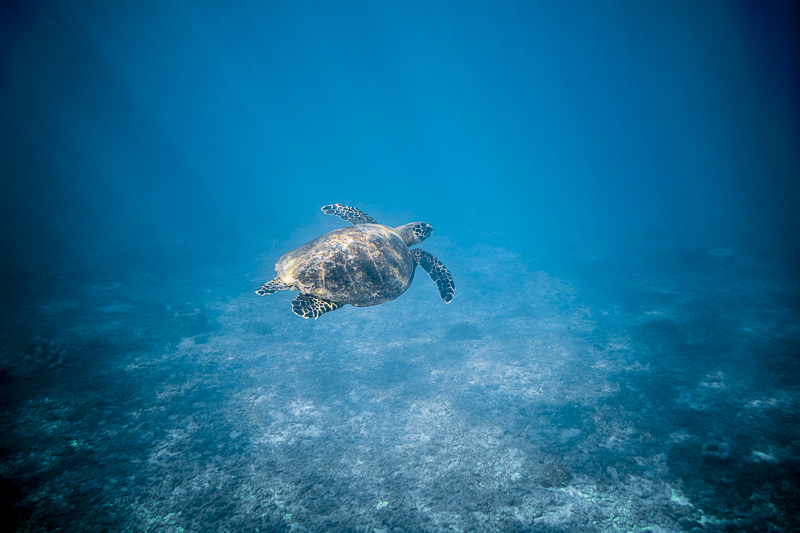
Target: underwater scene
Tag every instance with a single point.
(400, 266)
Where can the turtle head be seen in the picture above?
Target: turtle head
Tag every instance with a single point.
(414, 232)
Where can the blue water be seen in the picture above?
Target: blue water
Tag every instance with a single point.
(614, 187)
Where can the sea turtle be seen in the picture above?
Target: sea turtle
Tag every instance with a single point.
(363, 264)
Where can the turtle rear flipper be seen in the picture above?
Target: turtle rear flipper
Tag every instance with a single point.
(272, 286)
(438, 273)
(351, 214)
(307, 306)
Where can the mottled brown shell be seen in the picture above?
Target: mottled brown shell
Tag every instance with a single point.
(361, 265)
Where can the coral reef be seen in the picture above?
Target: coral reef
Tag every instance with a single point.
(40, 355)
(716, 451)
(191, 321)
(554, 473)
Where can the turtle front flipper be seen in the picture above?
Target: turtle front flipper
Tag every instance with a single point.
(438, 273)
(271, 286)
(307, 306)
(351, 214)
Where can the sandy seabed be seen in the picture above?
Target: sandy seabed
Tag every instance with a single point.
(658, 395)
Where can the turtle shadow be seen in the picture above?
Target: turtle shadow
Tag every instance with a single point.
(464, 331)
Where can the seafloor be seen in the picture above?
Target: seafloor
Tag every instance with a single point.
(653, 389)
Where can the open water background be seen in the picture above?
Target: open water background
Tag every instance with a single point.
(613, 185)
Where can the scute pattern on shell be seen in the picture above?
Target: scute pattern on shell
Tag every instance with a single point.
(361, 265)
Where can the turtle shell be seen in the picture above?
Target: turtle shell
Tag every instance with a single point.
(361, 265)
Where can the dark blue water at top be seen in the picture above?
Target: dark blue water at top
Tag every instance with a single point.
(618, 178)
(532, 120)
